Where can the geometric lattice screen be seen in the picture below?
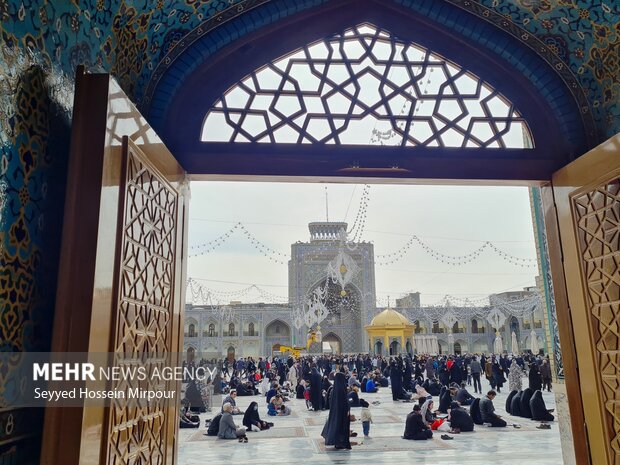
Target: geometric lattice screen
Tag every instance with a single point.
(365, 87)
(597, 214)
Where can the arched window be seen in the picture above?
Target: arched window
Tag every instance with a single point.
(231, 329)
(251, 330)
(474, 326)
(365, 86)
(211, 330)
(191, 332)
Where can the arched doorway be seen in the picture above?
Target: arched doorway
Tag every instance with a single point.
(277, 333)
(394, 345)
(457, 348)
(379, 348)
(191, 354)
(515, 328)
(409, 348)
(334, 342)
(230, 353)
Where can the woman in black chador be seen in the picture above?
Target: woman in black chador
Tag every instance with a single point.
(336, 429)
(535, 378)
(407, 373)
(252, 418)
(538, 408)
(396, 381)
(316, 396)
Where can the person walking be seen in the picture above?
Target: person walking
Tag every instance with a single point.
(476, 370)
(545, 373)
(366, 418)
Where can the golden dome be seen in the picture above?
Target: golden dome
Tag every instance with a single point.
(389, 317)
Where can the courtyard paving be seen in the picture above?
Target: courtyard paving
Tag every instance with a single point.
(297, 438)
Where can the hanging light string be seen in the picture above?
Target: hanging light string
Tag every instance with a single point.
(211, 246)
(380, 259)
(391, 258)
(201, 294)
(359, 224)
(208, 247)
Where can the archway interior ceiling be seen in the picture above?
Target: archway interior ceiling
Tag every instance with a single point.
(137, 40)
(176, 66)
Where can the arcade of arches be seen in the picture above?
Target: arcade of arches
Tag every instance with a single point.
(552, 67)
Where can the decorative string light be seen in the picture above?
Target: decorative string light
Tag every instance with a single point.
(455, 260)
(359, 224)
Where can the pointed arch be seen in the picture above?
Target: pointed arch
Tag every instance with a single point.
(366, 82)
(488, 50)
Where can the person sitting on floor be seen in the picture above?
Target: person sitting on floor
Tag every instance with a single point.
(299, 391)
(460, 420)
(277, 408)
(538, 408)
(370, 385)
(354, 400)
(415, 428)
(463, 396)
(231, 399)
(227, 428)
(252, 418)
(487, 411)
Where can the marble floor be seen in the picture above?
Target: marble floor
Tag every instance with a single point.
(297, 438)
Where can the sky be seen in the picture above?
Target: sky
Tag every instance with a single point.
(452, 220)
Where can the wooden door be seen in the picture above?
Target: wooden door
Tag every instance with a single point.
(587, 198)
(121, 275)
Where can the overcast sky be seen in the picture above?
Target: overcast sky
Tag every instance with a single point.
(452, 220)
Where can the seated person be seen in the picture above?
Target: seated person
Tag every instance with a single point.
(227, 428)
(252, 418)
(214, 426)
(363, 383)
(463, 396)
(515, 405)
(487, 411)
(243, 390)
(230, 399)
(538, 408)
(509, 401)
(186, 421)
(422, 394)
(276, 407)
(286, 389)
(354, 399)
(459, 419)
(353, 381)
(415, 427)
(434, 387)
(272, 392)
(474, 411)
(301, 388)
(370, 385)
(526, 396)
(444, 400)
(428, 416)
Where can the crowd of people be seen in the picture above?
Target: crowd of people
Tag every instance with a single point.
(338, 383)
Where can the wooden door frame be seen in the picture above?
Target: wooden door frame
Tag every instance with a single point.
(72, 328)
(85, 299)
(565, 326)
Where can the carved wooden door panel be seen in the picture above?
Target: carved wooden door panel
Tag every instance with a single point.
(120, 286)
(587, 196)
